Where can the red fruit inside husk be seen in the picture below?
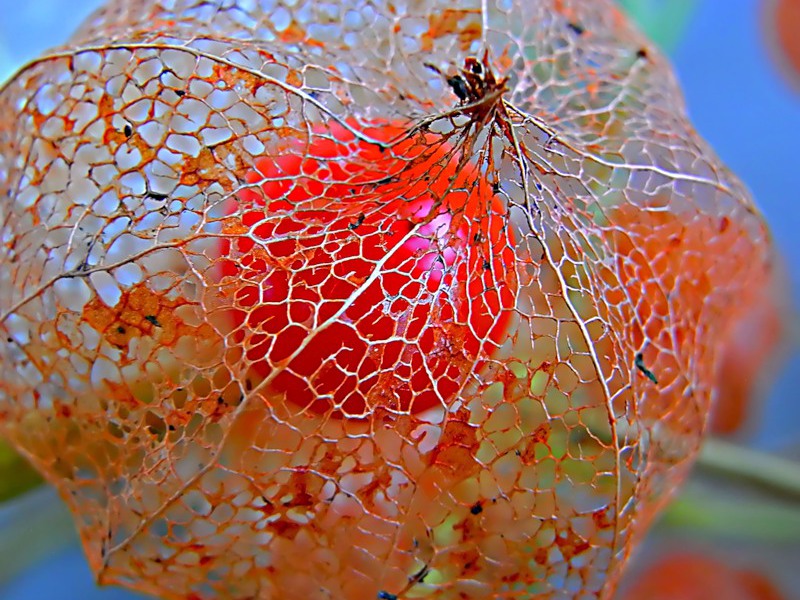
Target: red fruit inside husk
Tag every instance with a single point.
(368, 276)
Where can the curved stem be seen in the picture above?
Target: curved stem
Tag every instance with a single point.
(752, 467)
(705, 511)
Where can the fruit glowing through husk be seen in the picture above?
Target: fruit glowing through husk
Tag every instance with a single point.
(399, 261)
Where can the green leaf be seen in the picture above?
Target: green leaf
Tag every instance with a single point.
(17, 476)
(663, 21)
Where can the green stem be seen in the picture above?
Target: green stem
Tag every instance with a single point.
(703, 510)
(758, 469)
(723, 511)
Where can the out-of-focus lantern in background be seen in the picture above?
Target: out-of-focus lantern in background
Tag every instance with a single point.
(781, 18)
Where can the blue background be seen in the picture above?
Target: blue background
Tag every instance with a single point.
(737, 99)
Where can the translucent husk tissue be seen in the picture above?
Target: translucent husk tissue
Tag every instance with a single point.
(363, 299)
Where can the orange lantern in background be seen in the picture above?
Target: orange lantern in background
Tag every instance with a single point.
(696, 576)
(781, 20)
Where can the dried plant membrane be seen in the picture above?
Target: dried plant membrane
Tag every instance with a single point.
(363, 300)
